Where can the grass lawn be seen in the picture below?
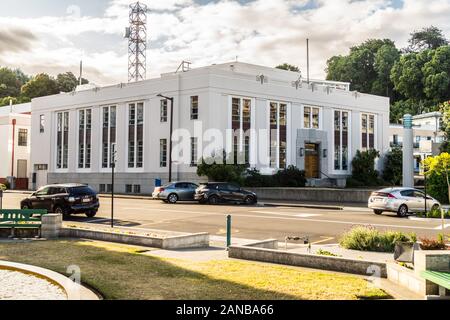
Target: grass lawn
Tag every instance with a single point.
(122, 272)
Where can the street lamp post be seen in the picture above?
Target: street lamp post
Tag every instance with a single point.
(171, 99)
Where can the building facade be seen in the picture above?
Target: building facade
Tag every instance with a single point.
(268, 116)
(15, 145)
(428, 136)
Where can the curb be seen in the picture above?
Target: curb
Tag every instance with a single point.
(300, 205)
(412, 218)
(73, 290)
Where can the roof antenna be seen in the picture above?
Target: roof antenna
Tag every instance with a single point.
(307, 60)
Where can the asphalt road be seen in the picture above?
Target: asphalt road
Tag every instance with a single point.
(249, 222)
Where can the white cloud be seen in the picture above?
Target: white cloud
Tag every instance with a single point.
(265, 32)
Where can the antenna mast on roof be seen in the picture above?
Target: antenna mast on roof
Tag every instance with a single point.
(136, 34)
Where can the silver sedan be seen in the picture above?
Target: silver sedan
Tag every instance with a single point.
(174, 192)
(402, 201)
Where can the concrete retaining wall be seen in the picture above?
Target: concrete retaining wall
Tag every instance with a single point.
(199, 240)
(313, 194)
(406, 278)
(308, 260)
(266, 244)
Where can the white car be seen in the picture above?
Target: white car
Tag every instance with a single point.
(402, 201)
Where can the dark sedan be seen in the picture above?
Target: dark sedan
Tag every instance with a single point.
(217, 192)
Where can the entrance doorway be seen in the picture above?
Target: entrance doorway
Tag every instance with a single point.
(312, 161)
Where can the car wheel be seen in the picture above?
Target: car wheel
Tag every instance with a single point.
(213, 200)
(91, 214)
(59, 210)
(172, 198)
(249, 200)
(25, 207)
(402, 211)
(377, 212)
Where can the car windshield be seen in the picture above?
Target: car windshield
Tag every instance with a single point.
(79, 191)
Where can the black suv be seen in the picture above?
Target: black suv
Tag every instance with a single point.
(215, 192)
(65, 199)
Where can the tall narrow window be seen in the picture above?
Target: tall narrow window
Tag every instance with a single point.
(42, 123)
(84, 138)
(367, 131)
(194, 108)
(341, 140)
(278, 135)
(108, 134)
(163, 153)
(194, 152)
(136, 135)
(62, 140)
(23, 138)
(241, 110)
(163, 110)
(311, 117)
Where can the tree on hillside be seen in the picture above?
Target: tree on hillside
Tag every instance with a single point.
(67, 82)
(9, 84)
(436, 74)
(444, 108)
(288, 67)
(367, 67)
(427, 38)
(41, 85)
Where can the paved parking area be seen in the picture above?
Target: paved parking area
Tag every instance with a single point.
(249, 222)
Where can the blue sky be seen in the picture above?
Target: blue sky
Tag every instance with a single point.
(52, 36)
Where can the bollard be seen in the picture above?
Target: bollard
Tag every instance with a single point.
(228, 231)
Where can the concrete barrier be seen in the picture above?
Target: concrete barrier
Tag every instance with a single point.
(198, 240)
(362, 267)
(405, 277)
(266, 244)
(51, 226)
(323, 195)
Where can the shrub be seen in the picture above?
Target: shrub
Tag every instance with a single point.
(438, 176)
(290, 177)
(393, 167)
(221, 172)
(321, 252)
(370, 239)
(2, 187)
(431, 244)
(363, 170)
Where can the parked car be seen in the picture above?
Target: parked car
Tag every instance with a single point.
(66, 199)
(217, 192)
(176, 191)
(401, 200)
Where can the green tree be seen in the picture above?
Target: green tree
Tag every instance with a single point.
(427, 38)
(41, 85)
(436, 73)
(393, 167)
(407, 75)
(363, 169)
(218, 171)
(9, 84)
(444, 108)
(67, 82)
(288, 67)
(367, 67)
(438, 174)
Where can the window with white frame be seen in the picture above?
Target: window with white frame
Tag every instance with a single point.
(194, 108)
(311, 117)
(136, 135)
(278, 135)
(341, 140)
(164, 111)
(62, 140)
(367, 131)
(241, 109)
(84, 138)
(109, 115)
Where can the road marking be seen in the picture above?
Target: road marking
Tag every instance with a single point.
(324, 240)
(289, 214)
(440, 227)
